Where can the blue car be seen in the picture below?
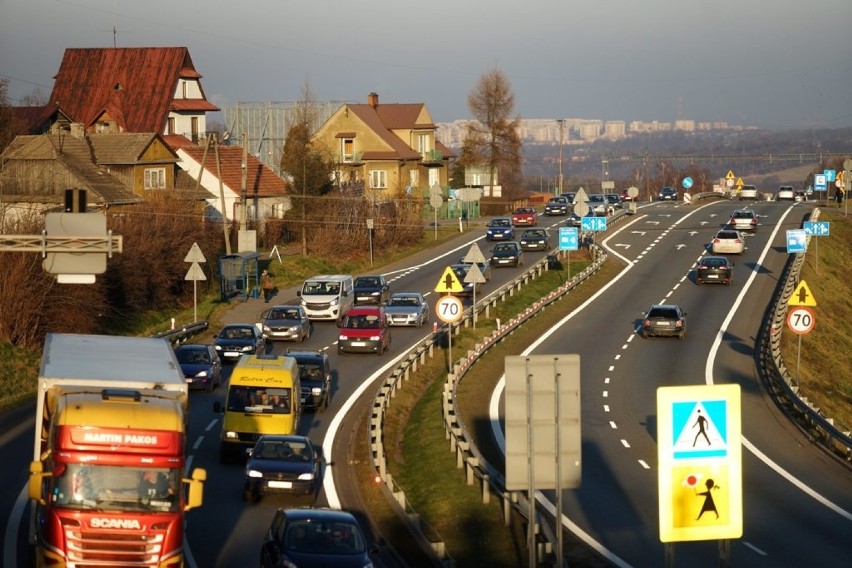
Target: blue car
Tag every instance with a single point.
(500, 229)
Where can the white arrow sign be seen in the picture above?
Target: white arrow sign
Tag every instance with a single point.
(641, 233)
(626, 246)
(680, 246)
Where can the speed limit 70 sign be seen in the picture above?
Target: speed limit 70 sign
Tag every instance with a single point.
(449, 309)
(801, 320)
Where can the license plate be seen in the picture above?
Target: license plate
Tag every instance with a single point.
(281, 484)
(229, 354)
(712, 276)
(663, 323)
(358, 344)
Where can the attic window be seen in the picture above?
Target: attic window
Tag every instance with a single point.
(117, 87)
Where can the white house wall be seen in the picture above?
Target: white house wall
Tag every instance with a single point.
(210, 183)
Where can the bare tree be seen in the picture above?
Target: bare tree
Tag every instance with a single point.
(7, 129)
(492, 138)
(309, 167)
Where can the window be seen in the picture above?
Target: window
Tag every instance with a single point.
(155, 178)
(423, 144)
(378, 179)
(347, 149)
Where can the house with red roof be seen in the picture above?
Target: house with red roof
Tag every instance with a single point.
(386, 151)
(136, 89)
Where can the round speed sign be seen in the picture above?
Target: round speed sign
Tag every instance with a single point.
(449, 309)
(801, 320)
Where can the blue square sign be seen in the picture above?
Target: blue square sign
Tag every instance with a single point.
(568, 238)
(593, 223)
(816, 228)
(796, 241)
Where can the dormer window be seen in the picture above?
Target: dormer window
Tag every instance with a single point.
(347, 149)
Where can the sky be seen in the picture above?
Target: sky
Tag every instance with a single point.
(785, 64)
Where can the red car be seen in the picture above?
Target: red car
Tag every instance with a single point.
(525, 216)
(364, 329)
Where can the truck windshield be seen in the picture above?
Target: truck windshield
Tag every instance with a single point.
(259, 400)
(116, 488)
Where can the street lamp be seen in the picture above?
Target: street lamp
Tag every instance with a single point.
(561, 122)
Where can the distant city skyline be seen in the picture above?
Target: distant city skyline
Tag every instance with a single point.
(738, 62)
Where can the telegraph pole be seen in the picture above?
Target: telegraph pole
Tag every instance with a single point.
(561, 122)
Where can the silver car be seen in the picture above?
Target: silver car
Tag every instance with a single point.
(286, 323)
(407, 308)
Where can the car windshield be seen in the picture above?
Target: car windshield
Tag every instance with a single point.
(259, 400)
(319, 537)
(361, 321)
(403, 301)
(715, 262)
(238, 333)
(367, 282)
(320, 288)
(193, 355)
(535, 234)
(283, 450)
(284, 313)
(663, 313)
(504, 248)
(116, 488)
(500, 223)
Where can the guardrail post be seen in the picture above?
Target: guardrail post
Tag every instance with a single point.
(486, 489)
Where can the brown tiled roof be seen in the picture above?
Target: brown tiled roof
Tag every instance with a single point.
(74, 155)
(397, 116)
(135, 85)
(261, 180)
(370, 117)
(126, 148)
(192, 104)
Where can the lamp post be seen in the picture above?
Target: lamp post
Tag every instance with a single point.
(561, 122)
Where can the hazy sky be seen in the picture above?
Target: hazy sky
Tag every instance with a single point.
(774, 64)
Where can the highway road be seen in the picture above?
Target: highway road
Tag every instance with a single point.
(797, 500)
(801, 516)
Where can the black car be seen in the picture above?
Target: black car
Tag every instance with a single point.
(315, 378)
(535, 239)
(559, 205)
(507, 254)
(716, 269)
(468, 288)
(237, 339)
(281, 464)
(575, 220)
(200, 365)
(315, 537)
(667, 194)
(372, 289)
(665, 320)
(287, 323)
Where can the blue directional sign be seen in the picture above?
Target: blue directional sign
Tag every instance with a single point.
(687, 182)
(816, 228)
(820, 182)
(796, 241)
(569, 238)
(830, 175)
(593, 223)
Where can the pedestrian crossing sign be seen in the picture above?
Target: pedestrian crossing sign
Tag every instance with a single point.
(700, 462)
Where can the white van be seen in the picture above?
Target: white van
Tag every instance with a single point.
(327, 296)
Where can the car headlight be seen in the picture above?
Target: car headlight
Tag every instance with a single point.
(253, 473)
(247, 348)
(306, 476)
(266, 329)
(316, 390)
(293, 328)
(334, 302)
(201, 374)
(231, 435)
(342, 338)
(217, 347)
(375, 337)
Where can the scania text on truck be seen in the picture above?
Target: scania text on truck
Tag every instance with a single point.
(107, 477)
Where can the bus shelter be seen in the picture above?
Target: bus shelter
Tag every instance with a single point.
(239, 275)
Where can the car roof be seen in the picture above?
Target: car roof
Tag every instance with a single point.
(282, 438)
(728, 233)
(716, 257)
(405, 294)
(318, 513)
(362, 310)
(304, 354)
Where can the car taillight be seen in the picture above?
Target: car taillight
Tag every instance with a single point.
(716, 241)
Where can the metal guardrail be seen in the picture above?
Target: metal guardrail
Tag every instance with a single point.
(834, 439)
(181, 334)
(468, 456)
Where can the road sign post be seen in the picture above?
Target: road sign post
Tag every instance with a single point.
(449, 284)
(195, 273)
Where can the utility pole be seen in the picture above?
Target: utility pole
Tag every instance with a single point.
(561, 122)
(244, 183)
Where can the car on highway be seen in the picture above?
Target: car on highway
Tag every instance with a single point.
(785, 193)
(525, 217)
(315, 537)
(664, 320)
(314, 378)
(728, 241)
(557, 205)
(599, 204)
(500, 229)
(614, 201)
(715, 269)
(468, 288)
(200, 365)
(569, 195)
(364, 329)
(624, 195)
(371, 289)
(747, 192)
(535, 239)
(743, 220)
(484, 267)
(507, 254)
(407, 308)
(238, 339)
(281, 464)
(286, 323)
(802, 194)
(667, 193)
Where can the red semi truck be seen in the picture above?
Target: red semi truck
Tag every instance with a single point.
(107, 478)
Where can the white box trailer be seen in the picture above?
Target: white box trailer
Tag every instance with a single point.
(97, 362)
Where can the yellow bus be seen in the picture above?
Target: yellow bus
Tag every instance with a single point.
(264, 397)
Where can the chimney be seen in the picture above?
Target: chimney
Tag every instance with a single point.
(373, 99)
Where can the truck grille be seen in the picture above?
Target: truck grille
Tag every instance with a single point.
(99, 549)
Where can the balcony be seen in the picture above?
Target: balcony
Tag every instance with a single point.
(432, 158)
(353, 159)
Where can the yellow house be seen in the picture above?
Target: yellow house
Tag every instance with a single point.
(385, 151)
